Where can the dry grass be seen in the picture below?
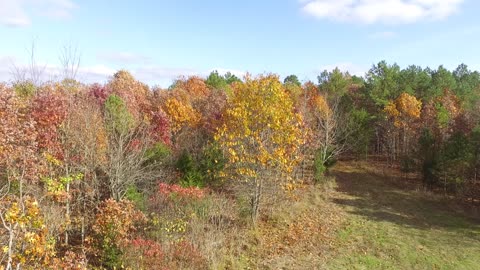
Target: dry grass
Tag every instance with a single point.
(365, 219)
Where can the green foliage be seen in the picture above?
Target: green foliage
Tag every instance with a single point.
(216, 81)
(191, 175)
(475, 144)
(136, 196)
(319, 167)
(455, 161)
(467, 85)
(185, 162)
(382, 83)
(118, 117)
(415, 80)
(442, 79)
(334, 82)
(205, 170)
(25, 89)
(443, 116)
(292, 79)
(212, 164)
(360, 123)
(231, 78)
(157, 153)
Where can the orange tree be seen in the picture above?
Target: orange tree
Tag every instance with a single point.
(404, 111)
(260, 133)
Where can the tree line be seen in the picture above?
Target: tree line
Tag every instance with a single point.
(114, 175)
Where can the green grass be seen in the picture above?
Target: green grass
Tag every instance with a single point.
(390, 225)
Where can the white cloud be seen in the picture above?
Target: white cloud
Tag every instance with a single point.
(17, 13)
(380, 11)
(383, 35)
(351, 68)
(9, 66)
(4, 69)
(150, 74)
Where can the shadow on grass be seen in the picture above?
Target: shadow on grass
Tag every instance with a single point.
(384, 199)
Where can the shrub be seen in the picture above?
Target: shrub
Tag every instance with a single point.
(212, 164)
(114, 224)
(191, 176)
(157, 153)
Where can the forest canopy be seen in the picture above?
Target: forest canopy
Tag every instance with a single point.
(124, 175)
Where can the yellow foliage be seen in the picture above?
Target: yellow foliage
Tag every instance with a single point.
(320, 104)
(404, 109)
(31, 245)
(260, 128)
(181, 114)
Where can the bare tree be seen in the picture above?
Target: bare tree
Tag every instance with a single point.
(32, 72)
(332, 129)
(128, 160)
(70, 61)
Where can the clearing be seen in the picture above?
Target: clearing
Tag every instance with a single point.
(390, 224)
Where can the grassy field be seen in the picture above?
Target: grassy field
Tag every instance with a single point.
(361, 217)
(389, 224)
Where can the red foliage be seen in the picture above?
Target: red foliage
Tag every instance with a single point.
(212, 108)
(190, 192)
(186, 254)
(18, 137)
(99, 92)
(114, 227)
(148, 248)
(49, 110)
(160, 127)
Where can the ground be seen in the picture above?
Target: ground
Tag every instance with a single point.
(391, 223)
(369, 219)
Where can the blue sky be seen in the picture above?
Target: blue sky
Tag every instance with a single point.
(159, 40)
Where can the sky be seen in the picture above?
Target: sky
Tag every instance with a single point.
(159, 40)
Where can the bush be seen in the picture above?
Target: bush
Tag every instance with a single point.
(212, 164)
(204, 171)
(113, 227)
(25, 89)
(157, 153)
(321, 166)
(137, 197)
(191, 176)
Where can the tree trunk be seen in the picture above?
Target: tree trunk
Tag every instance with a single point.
(257, 198)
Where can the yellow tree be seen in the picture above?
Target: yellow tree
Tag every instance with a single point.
(404, 111)
(23, 234)
(260, 133)
(181, 114)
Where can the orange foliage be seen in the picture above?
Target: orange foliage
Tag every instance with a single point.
(133, 92)
(180, 114)
(404, 109)
(194, 86)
